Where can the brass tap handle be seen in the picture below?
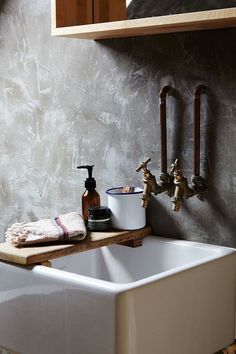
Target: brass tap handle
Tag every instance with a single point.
(150, 184)
(175, 167)
(143, 165)
(176, 171)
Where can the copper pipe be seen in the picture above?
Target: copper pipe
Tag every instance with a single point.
(197, 115)
(162, 96)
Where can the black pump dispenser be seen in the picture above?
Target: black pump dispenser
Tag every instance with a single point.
(90, 182)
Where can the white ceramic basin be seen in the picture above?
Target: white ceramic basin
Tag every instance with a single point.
(166, 297)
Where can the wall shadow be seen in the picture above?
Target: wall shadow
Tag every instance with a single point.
(213, 196)
(161, 221)
(209, 169)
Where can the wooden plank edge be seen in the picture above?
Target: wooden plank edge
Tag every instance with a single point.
(18, 260)
(82, 247)
(202, 20)
(100, 35)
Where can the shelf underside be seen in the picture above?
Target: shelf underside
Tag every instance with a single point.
(195, 21)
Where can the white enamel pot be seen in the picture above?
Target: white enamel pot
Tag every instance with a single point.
(126, 210)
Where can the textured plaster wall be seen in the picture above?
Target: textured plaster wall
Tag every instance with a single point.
(65, 102)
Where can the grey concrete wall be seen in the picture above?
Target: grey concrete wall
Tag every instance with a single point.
(64, 102)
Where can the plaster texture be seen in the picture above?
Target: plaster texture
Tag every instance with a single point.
(66, 102)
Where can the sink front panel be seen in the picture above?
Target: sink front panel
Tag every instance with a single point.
(192, 311)
(45, 313)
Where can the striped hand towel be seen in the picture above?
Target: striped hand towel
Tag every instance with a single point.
(63, 227)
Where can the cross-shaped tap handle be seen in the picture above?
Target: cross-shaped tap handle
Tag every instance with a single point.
(175, 166)
(143, 165)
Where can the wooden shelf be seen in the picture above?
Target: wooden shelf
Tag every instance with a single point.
(194, 21)
(40, 254)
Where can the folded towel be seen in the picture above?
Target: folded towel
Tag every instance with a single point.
(63, 227)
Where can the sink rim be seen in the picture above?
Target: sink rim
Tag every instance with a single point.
(91, 282)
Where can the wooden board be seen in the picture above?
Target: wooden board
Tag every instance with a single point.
(194, 21)
(33, 255)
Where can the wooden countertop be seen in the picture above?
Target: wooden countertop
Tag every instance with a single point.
(43, 253)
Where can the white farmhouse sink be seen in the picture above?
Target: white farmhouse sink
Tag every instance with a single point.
(166, 297)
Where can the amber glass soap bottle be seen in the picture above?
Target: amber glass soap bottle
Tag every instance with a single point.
(90, 198)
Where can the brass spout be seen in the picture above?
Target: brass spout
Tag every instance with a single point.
(182, 189)
(146, 196)
(176, 200)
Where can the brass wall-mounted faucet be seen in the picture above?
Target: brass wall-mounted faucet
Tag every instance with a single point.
(182, 189)
(166, 180)
(174, 183)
